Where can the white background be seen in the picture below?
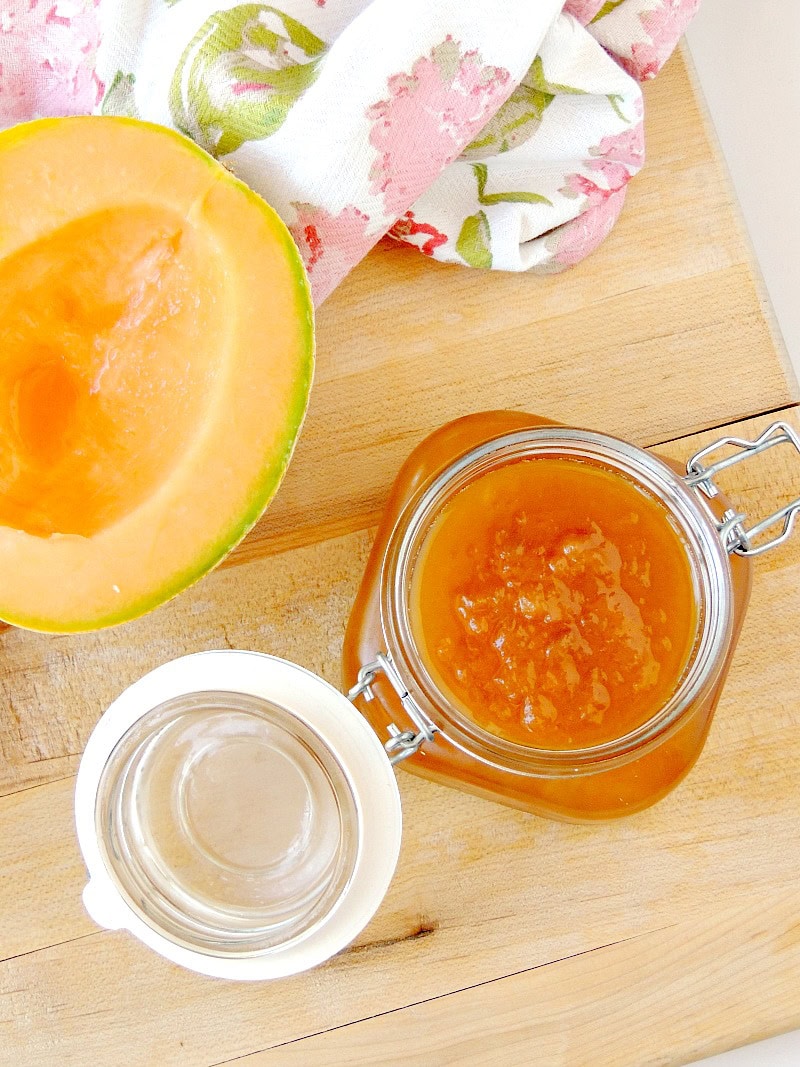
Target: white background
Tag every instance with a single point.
(747, 55)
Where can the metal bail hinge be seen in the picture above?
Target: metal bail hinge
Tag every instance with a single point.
(735, 536)
(402, 743)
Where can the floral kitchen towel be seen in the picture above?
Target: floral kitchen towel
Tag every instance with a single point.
(497, 134)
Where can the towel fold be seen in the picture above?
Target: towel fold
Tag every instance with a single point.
(497, 135)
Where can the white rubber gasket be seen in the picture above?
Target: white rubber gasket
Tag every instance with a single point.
(343, 730)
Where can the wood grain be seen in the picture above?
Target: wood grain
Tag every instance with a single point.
(604, 1000)
(481, 891)
(647, 339)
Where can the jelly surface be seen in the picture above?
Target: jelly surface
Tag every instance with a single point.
(553, 602)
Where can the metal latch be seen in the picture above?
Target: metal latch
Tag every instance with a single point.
(402, 743)
(735, 536)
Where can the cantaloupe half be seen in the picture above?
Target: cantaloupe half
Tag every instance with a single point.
(156, 355)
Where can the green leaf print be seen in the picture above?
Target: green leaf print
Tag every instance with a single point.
(474, 241)
(119, 99)
(240, 75)
(607, 8)
(516, 122)
(482, 175)
(615, 99)
(536, 78)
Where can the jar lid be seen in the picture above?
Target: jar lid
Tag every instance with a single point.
(238, 815)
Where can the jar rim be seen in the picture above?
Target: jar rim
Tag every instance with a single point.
(707, 556)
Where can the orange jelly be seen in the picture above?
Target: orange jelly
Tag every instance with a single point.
(555, 608)
(554, 601)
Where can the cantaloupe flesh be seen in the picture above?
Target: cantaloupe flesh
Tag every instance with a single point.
(155, 361)
(100, 399)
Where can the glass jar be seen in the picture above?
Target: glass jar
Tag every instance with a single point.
(237, 815)
(241, 817)
(387, 677)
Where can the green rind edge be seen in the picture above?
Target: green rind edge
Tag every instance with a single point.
(273, 473)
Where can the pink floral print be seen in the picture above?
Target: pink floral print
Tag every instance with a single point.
(664, 25)
(578, 239)
(448, 96)
(583, 10)
(616, 153)
(330, 245)
(47, 57)
(604, 198)
(409, 227)
(428, 118)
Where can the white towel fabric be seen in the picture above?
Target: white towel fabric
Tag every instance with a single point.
(497, 134)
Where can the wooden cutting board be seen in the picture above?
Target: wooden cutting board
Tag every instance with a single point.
(504, 938)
